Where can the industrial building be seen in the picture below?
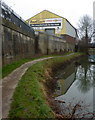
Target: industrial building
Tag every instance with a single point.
(52, 23)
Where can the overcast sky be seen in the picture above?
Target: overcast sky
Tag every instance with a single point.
(70, 9)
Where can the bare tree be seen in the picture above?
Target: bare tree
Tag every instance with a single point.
(85, 27)
(86, 31)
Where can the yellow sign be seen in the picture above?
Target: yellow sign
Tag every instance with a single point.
(39, 21)
(49, 20)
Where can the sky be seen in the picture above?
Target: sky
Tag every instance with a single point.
(72, 10)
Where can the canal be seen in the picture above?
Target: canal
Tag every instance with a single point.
(76, 86)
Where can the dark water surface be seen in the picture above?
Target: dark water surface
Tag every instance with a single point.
(75, 86)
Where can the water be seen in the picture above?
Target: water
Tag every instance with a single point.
(75, 86)
(92, 58)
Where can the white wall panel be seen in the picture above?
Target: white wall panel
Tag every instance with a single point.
(70, 30)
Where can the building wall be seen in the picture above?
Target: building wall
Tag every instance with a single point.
(44, 16)
(16, 44)
(70, 30)
(49, 44)
(19, 40)
(94, 10)
(65, 28)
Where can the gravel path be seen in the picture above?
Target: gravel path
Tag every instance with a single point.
(10, 82)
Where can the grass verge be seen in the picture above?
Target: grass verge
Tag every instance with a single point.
(28, 100)
(30, 96)
(10, 67)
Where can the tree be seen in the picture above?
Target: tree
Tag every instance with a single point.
(85, 27)
(86, 31)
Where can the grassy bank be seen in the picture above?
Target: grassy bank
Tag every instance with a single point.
(10, 67)
(29, 100)
(30, 97)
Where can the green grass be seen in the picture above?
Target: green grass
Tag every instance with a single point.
(10, 67)
(29, 99)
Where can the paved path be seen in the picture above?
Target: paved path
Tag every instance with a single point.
(10, 82)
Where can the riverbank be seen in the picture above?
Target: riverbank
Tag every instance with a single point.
(7, 69)
(32, 97)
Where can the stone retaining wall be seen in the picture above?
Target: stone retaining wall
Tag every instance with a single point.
(18, 43)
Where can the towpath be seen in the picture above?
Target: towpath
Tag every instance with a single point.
(10, 82)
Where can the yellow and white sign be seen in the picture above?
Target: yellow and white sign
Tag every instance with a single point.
(51, 22)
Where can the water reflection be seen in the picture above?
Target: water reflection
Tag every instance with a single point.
(76, 83)
(65, 79)
(85, 77)
(82, 72)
